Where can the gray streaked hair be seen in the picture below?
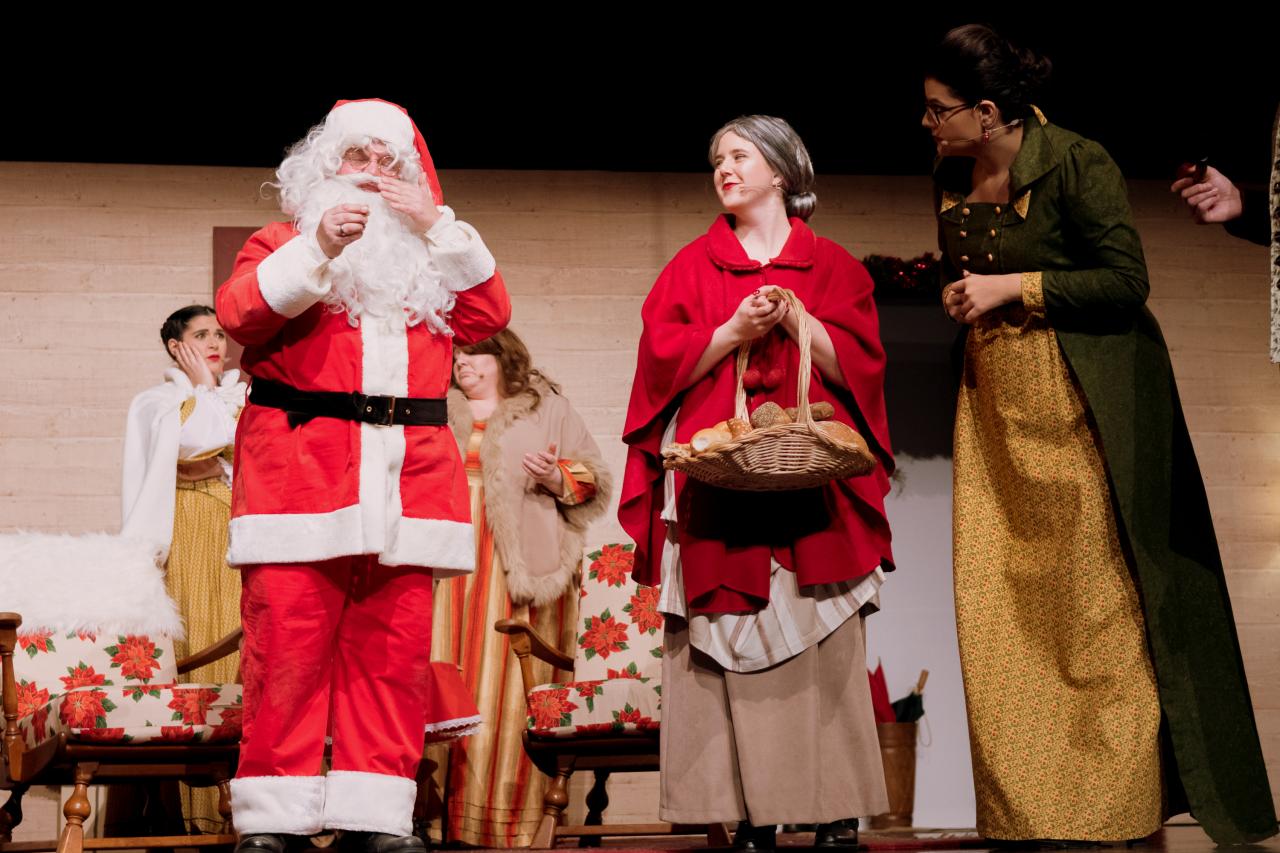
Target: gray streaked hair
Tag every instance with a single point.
(785, 153)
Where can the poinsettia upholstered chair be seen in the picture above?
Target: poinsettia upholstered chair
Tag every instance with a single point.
(90, 684)
(606, 715)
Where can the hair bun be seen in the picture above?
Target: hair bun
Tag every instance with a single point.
(1033, 70)
(801, 205)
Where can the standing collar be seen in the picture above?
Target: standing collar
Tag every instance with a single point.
(1036, 157)
(727, 253)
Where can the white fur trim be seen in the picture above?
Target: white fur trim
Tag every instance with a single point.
(384, 370)
(295, 537)
(99, 582)
(448, 547)
(372, 118)
(458, 252)
(292, 804)
(293, 277)
(368, 802)
(151, 440)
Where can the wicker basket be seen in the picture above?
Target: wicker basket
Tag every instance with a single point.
(775, 458)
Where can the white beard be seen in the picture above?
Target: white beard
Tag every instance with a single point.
(387, 272)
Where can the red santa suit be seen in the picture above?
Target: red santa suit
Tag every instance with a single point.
(339, 526)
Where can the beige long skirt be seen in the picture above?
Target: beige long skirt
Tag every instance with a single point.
(795, 743)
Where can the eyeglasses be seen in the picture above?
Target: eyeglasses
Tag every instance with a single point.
(360, 158)
(940, 114)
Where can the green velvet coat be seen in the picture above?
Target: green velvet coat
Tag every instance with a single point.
(1069, 219)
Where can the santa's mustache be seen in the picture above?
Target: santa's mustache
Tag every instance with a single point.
(356, 179)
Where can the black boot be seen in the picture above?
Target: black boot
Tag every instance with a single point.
(380, 842)
(265, 842)
(839, 833)
(755, 838)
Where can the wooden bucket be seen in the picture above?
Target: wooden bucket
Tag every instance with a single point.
(898, 752)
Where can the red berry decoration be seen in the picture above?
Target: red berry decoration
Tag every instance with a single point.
(751, 379)
(774, 378)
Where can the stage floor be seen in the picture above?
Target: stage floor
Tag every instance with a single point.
(1173, 839)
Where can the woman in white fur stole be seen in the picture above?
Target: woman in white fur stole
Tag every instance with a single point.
(537, 482)
(177, 480)
(177, 495)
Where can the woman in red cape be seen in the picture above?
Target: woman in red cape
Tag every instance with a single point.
(767, 713)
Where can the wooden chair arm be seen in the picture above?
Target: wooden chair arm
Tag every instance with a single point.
(12, 739)
(525, 642)
(218, 651)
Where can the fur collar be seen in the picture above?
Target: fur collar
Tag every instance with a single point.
(503, 507)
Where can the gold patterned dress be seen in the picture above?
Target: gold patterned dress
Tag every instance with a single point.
(1064, 714)
(205, 589)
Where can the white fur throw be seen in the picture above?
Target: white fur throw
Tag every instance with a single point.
(99, 582)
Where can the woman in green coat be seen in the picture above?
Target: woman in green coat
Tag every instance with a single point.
(1102, 672)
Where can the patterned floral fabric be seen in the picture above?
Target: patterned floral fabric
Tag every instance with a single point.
(626, 704)
(117, 689)
(618, 658)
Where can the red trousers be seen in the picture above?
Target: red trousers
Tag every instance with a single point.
(336, 648)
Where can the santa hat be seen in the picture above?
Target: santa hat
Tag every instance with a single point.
(388, 122)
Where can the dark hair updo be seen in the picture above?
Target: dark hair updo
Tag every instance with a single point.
(978, 64)
(176, 325)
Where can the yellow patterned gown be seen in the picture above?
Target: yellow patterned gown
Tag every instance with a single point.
(492, 793)
(1064, 717)
(207, 593)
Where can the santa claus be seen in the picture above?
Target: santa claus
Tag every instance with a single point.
(348, 494)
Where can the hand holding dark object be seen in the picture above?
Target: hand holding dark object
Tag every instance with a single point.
(1194, 170)
(1213, 199)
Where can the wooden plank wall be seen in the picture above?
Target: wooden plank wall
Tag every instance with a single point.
(93, 257)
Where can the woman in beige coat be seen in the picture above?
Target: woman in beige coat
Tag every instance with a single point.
(537, 482)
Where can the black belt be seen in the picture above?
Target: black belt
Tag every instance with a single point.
(302, 406)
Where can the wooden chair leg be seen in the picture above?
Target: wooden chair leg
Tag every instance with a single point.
(428, 802)
(554, 803)
(11, 813)
(597, 802)
(224, 802)
(77, 810)
(719, 835)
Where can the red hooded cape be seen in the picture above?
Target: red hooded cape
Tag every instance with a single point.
(838, 532)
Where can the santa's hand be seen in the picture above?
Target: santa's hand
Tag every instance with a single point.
(413, 201)
(341, 226)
